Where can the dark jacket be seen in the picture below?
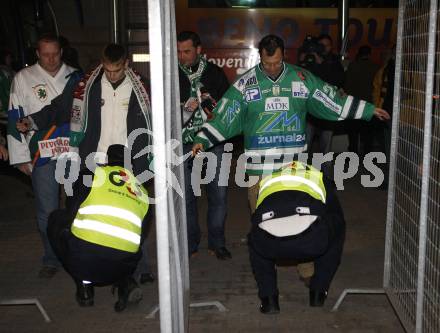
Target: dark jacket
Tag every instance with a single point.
(330, 71)
(389, 72)
(359, 79)
(58, 112)
(213, 79)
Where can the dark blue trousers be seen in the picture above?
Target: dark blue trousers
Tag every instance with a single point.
(321, 243)
(87, 261)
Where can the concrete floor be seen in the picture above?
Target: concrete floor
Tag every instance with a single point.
(230, 282)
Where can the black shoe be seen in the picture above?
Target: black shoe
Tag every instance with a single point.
(146, 277)
(47, 272)
(270, 305)
(221, 253)
(128, 291)
(85, 294)
(317, 298)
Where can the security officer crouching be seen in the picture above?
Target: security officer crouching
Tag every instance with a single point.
(298, 217)
(98, 236)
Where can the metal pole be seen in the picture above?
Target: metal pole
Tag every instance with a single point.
(354, 291)
(426, 159)
(178, 238)
(155, 31)
(343, 18)
(393, 150)
(114, 12)
(28, 301)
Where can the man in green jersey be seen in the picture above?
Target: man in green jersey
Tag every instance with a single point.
(268, 105)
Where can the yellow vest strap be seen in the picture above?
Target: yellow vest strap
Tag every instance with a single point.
(291, 178)
(108, 230)
(111, 211)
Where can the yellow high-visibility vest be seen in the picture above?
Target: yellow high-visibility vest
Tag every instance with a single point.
(297, 177)
(113, 211)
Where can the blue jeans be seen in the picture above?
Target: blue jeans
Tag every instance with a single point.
(46, 190)
(217, 201)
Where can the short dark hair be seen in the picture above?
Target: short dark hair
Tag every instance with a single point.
(48, 38)
(187, 35)
(114, 53)
(270, 43)
(325, 36)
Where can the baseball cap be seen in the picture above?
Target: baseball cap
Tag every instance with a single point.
(288, 213)
(116, 153)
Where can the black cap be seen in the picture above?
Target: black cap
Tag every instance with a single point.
(115, 154)
(289, 203)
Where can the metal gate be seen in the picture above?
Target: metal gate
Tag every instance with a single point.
(412, 253)
(412, 249)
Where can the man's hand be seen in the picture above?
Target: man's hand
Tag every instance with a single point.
(191, 104)
(23, 125)
(208, 104)
(26, 168)
(381, 114)
(198, 147)
(3, 153)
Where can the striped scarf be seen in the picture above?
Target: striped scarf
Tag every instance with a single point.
(195, 122)
(78, 121)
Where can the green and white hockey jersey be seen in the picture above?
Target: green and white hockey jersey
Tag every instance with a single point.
(272, 115)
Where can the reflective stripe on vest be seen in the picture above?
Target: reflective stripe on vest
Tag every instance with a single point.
(296, 177)
(113, 211)
(107, 234)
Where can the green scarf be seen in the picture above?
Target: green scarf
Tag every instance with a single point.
(198, 117)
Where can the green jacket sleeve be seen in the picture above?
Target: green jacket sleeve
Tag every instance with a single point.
(325, 102)
(227, 121)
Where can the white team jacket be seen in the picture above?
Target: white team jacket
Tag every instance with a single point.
(32, 89)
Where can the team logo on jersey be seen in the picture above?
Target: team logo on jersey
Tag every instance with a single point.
(231, 112)
(329, 90)
(269, 141)
(276, 90)
(299, 90)
(252, 94)
(277, 104)
(278, 121)
(327, 101)
(40, 92)
(247, 80)
(252, 81)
